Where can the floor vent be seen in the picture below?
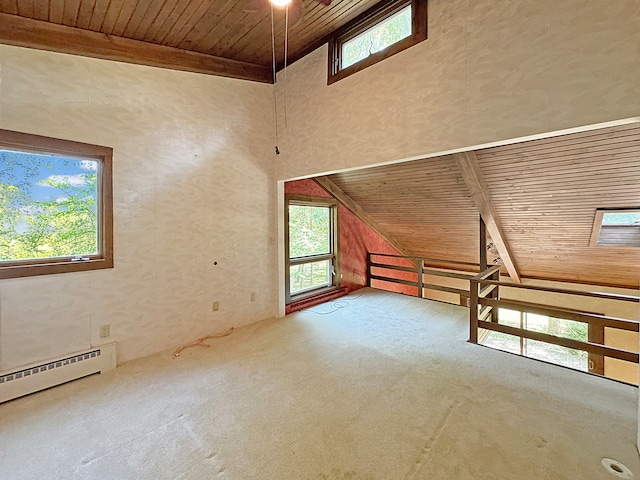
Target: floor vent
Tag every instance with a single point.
(32, 378)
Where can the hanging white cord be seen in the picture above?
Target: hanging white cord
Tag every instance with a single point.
(286, 48)
(273, 56)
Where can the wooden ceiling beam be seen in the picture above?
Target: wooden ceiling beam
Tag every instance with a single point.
(29, 33)
(470, 170)
(358, 211)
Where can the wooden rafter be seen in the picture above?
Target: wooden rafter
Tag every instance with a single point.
(359, 212)
(26, 32)
(597, 226)
(468, 164)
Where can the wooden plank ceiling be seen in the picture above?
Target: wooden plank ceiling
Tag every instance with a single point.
(238, 30)
(424, 204)
(544, 192)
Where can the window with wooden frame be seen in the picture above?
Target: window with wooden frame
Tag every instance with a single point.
(311, 240)
(619, 227)
(382, 31)
(55, 206)
(564, 328)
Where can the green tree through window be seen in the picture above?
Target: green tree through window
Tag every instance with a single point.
(310, 231)
(386, 33)
(384, 30)
(48, 206)
(311, 246)
(56, 205)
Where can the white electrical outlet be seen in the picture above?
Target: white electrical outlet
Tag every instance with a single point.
(105, 331)
(216, 306)
(253, 296)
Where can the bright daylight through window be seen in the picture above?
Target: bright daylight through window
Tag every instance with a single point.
(621, 218)
(311, 246)
(616, 228)
(568, 357)
(384, 34)
(55, 206)
(380, 32)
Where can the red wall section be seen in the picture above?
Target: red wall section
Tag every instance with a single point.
(356, 239)
(306, 187)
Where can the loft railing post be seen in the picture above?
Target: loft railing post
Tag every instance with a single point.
(483, 245)
(420, 279)
(596, 335)
(495, 294)
(473, 311)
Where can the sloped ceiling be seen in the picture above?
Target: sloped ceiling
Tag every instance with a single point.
(545, 193)
(424, 204)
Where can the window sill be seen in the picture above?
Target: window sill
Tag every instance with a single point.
(313, 293)
(34, 269)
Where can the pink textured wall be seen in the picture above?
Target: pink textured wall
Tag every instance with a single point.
(306, 187)
(356, 239)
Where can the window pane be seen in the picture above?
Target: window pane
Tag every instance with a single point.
(509, 317)
(568, 357)
(48, 206)
(555, 354)
(539, 323)
(308, 276)
(621, 218)
(557, 326)
(309, 230)
(503, 341)
(384, 34)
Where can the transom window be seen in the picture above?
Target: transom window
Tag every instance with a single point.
(55, 206)
(382, 31)
(311, 246)
(616, 228)
(377, 38)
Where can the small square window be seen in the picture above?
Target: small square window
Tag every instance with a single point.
(375, 35)
(616, 228)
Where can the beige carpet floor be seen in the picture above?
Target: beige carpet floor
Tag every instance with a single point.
(377, 386)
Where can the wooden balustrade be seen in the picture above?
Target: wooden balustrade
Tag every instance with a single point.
(485, 294)
(485, 301)
(420, 269)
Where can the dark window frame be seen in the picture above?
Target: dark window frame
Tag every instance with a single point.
(28, 143)
(367, 20)
(334, 255)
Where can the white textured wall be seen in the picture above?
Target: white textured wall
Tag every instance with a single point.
(192, 185)
(490, 70)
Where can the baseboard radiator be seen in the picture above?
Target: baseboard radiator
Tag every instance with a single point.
(33, 378)
(316, 299)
